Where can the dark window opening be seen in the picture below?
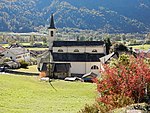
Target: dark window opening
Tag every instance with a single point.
(94, 51)
(60, 50)
(94, 67)
(52, 33)
(76, 50)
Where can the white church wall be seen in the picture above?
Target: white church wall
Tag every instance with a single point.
(55, 49)
(82, 49)
(72, 49)
(100, 49)
(83, 67)
(78, 67)
(51, 38)
(90, 64)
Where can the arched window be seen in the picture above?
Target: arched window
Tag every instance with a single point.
(52, 33)
(94, 67)
(94, 51)
(60, 50)
(76, 50)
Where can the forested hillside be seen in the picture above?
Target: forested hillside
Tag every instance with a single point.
(119, 16)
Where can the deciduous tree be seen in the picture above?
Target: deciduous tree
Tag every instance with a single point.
(126, 78)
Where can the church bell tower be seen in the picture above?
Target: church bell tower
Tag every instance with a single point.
(52, 32)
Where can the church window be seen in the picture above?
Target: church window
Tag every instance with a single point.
(52, 33)
(60, 50)
(94, 51)
(76, 50)
(94, 67)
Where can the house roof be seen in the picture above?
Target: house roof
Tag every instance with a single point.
(104, 59)
(44, 54)
(18, 50)
(148, 51)
(2, 49)
(15, 46)
(61, 67)
(77, 57)
(89, 74)
(77, 43)
(57, 67)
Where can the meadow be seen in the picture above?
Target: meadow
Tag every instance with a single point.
(24, 94)
(30, 69)
(145, 46)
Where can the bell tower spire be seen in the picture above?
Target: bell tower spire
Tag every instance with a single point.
(52, 25)
(52, 32)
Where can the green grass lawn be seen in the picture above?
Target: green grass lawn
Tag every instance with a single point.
(31, 69)
(25, 44)
(4, 45)
(22, 94)
(145, 47)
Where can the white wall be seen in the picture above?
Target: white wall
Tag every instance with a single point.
(25, 57)
(82, 49)
(100, 49)
(55, 49)
(83, 67)
(14, 57)
(51, 38)
(7, 53)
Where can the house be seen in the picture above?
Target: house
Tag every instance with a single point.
(148, 53)
(17, 53)
(76, 57)
(143, 53)
(115, 55)
(2, 49)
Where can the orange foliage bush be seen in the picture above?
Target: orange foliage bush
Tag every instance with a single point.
(42, 74)
(126, 80)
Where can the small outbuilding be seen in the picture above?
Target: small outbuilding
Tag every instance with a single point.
(89, 76)
(61, 70)
(56, 70)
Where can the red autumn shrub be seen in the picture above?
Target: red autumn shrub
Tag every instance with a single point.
(127, 77)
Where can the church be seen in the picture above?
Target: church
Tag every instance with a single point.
(70, 58)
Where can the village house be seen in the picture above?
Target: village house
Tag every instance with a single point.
(70, 58)
(17, 53)
(5, 60)
(116, 54)
(2, 49)
(142, 53)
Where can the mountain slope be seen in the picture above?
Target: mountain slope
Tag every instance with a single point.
(104, 15)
